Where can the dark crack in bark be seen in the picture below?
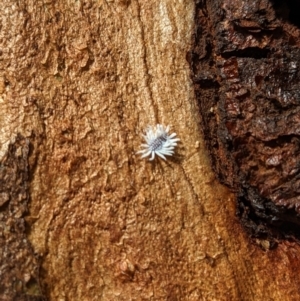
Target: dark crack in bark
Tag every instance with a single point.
(245, 66)
(19, 266)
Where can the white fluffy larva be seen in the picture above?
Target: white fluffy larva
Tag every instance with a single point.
(158, 142)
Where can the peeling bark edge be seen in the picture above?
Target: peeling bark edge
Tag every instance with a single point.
(19, 265)
(232, 71)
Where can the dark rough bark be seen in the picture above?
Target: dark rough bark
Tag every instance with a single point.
(19, 267)
(246, 73)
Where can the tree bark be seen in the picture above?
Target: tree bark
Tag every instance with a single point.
(80, 81)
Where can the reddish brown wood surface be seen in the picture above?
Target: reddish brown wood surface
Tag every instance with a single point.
(80, 81)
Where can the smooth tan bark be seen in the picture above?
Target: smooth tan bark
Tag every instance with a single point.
(82, 80)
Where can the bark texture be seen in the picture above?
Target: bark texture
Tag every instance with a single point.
(19, 266)
(246, 70)
(81, 80)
